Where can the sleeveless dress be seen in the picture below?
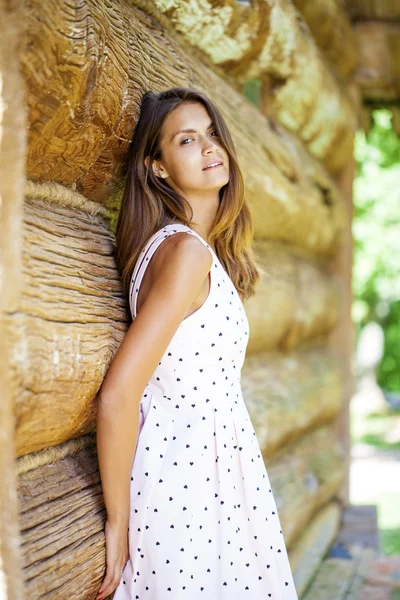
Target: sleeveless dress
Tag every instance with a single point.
(203, 520)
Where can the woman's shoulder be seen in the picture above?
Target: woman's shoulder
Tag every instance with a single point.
(182, 251)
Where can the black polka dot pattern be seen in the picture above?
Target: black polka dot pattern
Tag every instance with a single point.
(203, 519)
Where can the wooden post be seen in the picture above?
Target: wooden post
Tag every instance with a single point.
(12, 165)
(342, 338)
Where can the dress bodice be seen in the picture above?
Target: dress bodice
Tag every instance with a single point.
(207, 351)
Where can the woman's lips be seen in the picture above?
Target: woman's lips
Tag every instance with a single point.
(210, 168)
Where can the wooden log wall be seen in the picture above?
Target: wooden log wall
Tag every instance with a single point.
(264, 40)
(280, 175)
(85, 67)
(66, 332)
(332, 31)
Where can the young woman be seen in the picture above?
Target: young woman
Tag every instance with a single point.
(190, 510)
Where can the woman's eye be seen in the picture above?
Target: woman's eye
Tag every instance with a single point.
(183, 142)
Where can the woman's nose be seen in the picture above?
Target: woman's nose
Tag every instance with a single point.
(211, 147)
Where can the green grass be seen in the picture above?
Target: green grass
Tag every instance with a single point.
(389, 521)
(381, 431)
(374, 428)
(390, 540)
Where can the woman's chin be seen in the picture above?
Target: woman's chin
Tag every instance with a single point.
(217, 175)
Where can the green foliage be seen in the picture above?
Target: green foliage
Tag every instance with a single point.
(381, 146)
(376, 230)
(252, 90)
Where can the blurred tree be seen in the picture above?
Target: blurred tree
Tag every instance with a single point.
(376, 230)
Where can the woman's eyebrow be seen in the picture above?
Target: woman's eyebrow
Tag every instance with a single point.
(189, 131)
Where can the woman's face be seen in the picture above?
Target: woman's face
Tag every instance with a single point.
(185, 154)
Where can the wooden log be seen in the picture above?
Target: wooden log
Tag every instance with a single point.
(82, 106)
(296, 299)
(12, 164)
(312, 545)
(317, 223)
(379, 72)
(62, 521)
(305, 477)
(289, 394)
(332, 30)
(72, 316)
(62, 518)
(365, 10)
(265, 41)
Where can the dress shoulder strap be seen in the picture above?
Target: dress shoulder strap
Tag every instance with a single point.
(147, 252)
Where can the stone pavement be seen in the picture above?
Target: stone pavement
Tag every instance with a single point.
(354, 568)
(382, 580)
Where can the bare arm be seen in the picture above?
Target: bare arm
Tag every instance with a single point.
(178, 280)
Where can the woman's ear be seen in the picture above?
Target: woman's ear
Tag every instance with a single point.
(155, 166)
(157, 169)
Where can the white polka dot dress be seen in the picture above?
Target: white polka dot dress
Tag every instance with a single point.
(203, 520)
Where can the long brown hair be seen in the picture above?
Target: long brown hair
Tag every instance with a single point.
(149, 203)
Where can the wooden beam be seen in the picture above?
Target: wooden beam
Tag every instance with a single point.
(331, 28)
(12, 163)
(379, 72)
(342, 338)
(365, 10)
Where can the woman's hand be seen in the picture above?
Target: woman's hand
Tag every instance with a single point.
(117, 555)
